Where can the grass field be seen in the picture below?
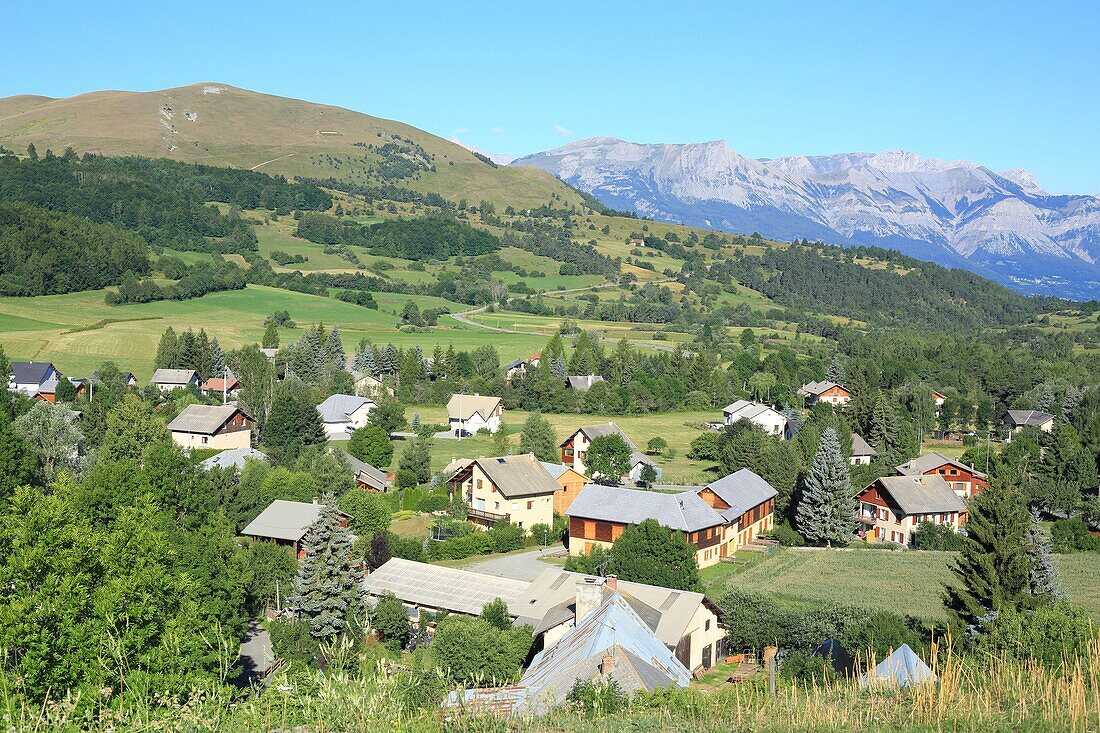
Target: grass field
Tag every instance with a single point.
(905, 582)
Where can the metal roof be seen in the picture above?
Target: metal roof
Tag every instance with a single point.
(861, 447)
(932, 461)
(435, 586)
(598, 431)
(173, 376)
(745, 410)
(30, 372)
(465, 406)
(742, 490)
(1029, 418)
(685, 511)
(202, 419)
(339, 407)
(554, 469)
(921, 494)
(235, 457)
(284, 520)
(583, 382)
(514, 476)
(367, 473)
(816, 388)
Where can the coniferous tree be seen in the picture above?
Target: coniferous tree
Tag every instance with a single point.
(203, 362)
(418, 459)
(326, 587)
(835, 372)
(993, 569)
(187, 356)
(334, 349)
(1046, 583)
(826, 510)
(167, 350)
(217, 359)
(271, 336)
(293, 422)
(538, 437)
(883, 433)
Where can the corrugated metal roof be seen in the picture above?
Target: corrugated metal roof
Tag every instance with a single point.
(435, 586)
(684, 511)
(202, 419)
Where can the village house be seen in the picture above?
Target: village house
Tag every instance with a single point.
(687, 623)
(34, 378)
(469, 414)
(226, 386)
(828, 392)
(574, 449)
(583, 382)
(287, 523)
(368, 386)
(766, 418)
(892, 507)
(212, 426)
(717, 518)
(367, 476)
(939, 398)
(233, 458)
(1017, 420)
(964, 480)
(514, 489)
(167, 380)
(569, 484)
(516, 367)
(343, 414)
(638, 462)
(863, 453)
(434, 588)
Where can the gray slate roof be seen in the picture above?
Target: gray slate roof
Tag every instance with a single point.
(816, 388)
(173, 376)
(518, 476)
(584, 382)
(435, 586)
(932, 461)
(742, 490)
(745, 410)
(202, 419)
(284, 520)
(367, 473)
(338, 407)
(597, 431)
(922, 494)
(685, 512)
(234, 457)
(1029, 418)
(554, 469)
(861, 447)
(30, 372)
(465, 406)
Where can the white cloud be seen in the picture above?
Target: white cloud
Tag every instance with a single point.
(496, 129)
(560, 130)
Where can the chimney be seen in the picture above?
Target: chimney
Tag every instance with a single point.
(315, 500)
(612, 582)
(589, 598)
(607, 664)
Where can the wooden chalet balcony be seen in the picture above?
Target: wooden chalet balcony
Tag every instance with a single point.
(704, 542)
(482, 516)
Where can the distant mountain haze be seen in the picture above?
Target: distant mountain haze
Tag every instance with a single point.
(1001, 225)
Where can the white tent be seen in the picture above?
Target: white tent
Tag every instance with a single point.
(902, 669)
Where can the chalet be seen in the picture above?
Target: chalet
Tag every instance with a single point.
(574, 449)
(367, 476)
(32, 378)
(939, 398)
(515, 367)
(514, 489)
(766, 418)
(227, 386)
(287, 523)
(368, 386)
(233, 458)
(638, 462)
(434, 588)
(212, 426)
(863, 453)
(608, 642)
(893, 507)
(343, 414)
(717, 518)
(828, 392)
(964, 480)
(1017, 420)
(582, 383)
(469, 414)
(167, 380)
(686, 623)
(569, 484)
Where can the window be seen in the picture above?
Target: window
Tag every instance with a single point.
(479, 483)
(530, 505)
(205, 440)
(706, 625)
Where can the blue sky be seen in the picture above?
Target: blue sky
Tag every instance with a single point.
(1010, 85)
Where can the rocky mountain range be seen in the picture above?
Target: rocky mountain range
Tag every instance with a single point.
(960, 214)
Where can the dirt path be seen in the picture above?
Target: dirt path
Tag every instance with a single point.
(271, 161)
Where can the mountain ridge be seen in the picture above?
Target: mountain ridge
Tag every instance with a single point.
(957, 213)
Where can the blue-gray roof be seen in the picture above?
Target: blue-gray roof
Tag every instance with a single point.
(685, 511)
(742, 490)
(30, 372)
(338, 407)
(234, 457)
(554, 469)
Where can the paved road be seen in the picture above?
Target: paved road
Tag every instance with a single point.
(521, 566)
(256, 656)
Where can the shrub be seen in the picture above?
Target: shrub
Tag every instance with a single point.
(391, 621)
(788, 536)
(507, 536)
(932, 536)
(369, 512)
(543, 534)
(436, 501)
(408, 548)
(1047, 634)
(597, 698)
(1072, 535)
(405, 478)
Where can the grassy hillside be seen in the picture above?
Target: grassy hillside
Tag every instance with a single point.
(222, 125)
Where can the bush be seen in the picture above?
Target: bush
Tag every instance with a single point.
(369, 512)
(435, 501)
(543, 534)
(507, 536)
(932, 536)
(405, 478)
(1048, 634)
(788, 536)
(597, 698)
(371, 444)
(408, 548)
(292, 641)
(1072, 535)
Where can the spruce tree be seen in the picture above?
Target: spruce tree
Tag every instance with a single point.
(538, 437)
(217, 359)
(835, 371)
(993, 569)
(1046, 584)
(883, 434)
(187, 356)
(334, 349)
(326, 588)
(827, 509)
(271, 336)
(167, 350)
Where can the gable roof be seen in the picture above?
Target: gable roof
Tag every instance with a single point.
(598, 431)
(861, 447)
(816, 388)
(684, 511)
(932, 461)
(465, 406)
(582, 382)
(217, 384)
(367, 473)
(637, 457)
(921, 494)
(514, 364)
(203, 419)
(746, 410)
(285, 520)
(235, 457)
(742, 490)
(339, 407)
(435, 586)
(549, 600)
(30, 372)
(514, 476)
(1029, 418)
(173, 376)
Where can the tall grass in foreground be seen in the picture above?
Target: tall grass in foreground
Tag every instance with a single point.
(982, 694)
